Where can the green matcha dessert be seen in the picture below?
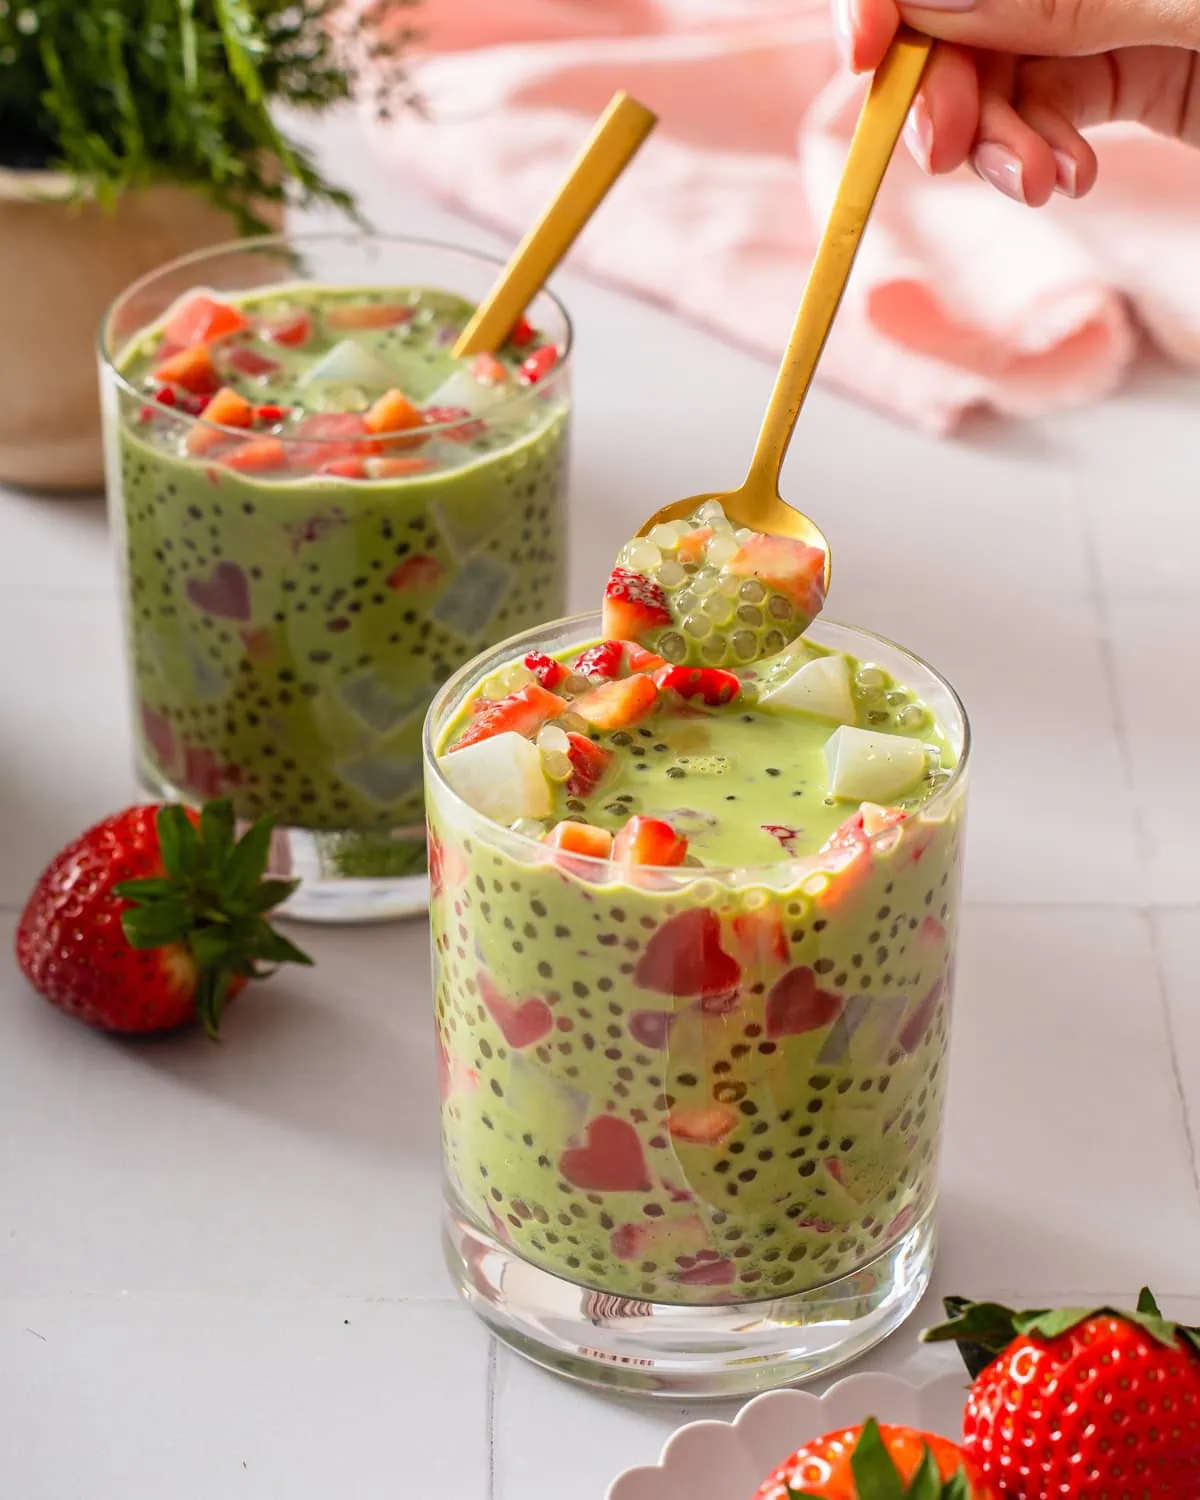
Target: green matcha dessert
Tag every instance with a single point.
(693, 932)
(323, 513)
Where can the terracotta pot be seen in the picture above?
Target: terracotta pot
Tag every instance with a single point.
(61, 264)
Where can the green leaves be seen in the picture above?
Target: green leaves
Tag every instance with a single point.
(126, 93)
(984, 1330)
(211, 900)
(876, 1476)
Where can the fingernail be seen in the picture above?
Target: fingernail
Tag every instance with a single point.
(843, 30)
(997, 164)
(918, 132)
(1066, 179)
(939, 5)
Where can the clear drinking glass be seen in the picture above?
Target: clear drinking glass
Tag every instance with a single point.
(691, 1117)
(286, 629)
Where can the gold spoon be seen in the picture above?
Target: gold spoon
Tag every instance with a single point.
(606, 153)
(756, 503)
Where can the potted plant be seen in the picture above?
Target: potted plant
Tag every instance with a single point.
(133, 131)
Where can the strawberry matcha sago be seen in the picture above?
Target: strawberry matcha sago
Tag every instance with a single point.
(323, 514)
(695, 873)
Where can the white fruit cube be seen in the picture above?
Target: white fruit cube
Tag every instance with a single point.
(500, 777)
(463, 391)
(820, 687)
(349, 363)
(868, 767)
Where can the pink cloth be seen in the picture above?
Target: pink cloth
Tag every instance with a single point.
(960, 298)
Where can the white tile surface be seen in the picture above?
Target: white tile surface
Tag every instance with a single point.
(213, 1257)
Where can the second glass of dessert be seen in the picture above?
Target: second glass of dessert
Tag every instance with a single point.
(695, 869)
(321, 514)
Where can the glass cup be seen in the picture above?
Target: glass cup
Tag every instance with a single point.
(287, 629)
(691, 1117)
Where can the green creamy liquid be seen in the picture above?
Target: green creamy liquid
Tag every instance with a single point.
(288, 630)
(696, 1087)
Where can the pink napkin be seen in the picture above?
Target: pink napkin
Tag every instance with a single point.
(960, 298)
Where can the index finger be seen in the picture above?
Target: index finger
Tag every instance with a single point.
(865, 31)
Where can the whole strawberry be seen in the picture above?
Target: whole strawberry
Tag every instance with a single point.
(154, 918)
(876, 1463)
(1096, 1403)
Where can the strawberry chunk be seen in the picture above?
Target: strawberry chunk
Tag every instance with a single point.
(702, 1124)
(549, 673)
(464, 432)
(332, 435)
(580, 838)
(788, 567)
(523, 712)
(633, 605)
(366, 315)
(589, 762)
(250, 362)
(488, 370)
(226, 409)
(615, 705)
(601, 662)
(257, 455)
(639, 659)
(394, 412)
(538, 365)
(269, 412)
(345, 468)
(685, 957)
(203, 320)
(193, 369)
(649, 841)
(523, 333)
(421, 571)
(290, 332)
(692, 544)
(398, 468)
(760, 938)
(711, 684)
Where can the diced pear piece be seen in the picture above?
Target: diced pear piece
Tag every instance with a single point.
(500, 777)
(868, 767)
(820, 686)
(468, 394)
(349, 363)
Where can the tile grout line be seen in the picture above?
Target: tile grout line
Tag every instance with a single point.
(490, 1410)
(1164, 1000)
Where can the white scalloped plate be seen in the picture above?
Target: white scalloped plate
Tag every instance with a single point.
(729, 1460)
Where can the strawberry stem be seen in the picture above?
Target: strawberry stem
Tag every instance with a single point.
(211, 899)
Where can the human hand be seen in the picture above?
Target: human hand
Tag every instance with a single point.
(1013, 82)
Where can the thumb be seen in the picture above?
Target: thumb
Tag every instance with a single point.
(1058, 28)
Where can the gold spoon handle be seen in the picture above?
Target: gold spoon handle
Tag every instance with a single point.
(609, 149)
(891, 95)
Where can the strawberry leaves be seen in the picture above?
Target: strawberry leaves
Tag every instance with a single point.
(983, 1330)
(876, 1476)
(211, 900)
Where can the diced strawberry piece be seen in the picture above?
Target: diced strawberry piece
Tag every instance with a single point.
(580, 838)
(538, 365)
(633, 604)
(394, 412)
(523, 333)
(165, 396)
(250, 362)
(345, 468)
(787, 566)
(638, 659)
(589, 762)
(549, 673)
(684, 957)
(227, 409)
(846, 855)
(192, 404)
(523, 712)
(270, 413)
(649, 841)
(366, 315)
(702, 1124)
(692, 544)
(877, 820)
(616, 705)
(258, 455)
(191, 368)
(290, 332)
(601, 662)
(708, 683)
(398, 468)
(488, 370)
(203, 320)
(760, 938)
(465, 432)
(797, 1004)
(332, 435)
(419, 572)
